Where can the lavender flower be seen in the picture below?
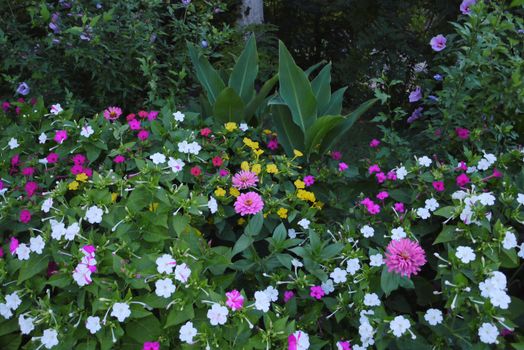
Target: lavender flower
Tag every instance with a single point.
(417, 113)
(186, 2)
(438, 77)
(23, 89)
(438, 43)
(415, 95)
(204, 44)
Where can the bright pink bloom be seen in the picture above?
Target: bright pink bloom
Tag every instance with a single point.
(134, 124)
(249, 203)
(342, 166)
(381, 177)
(438, 43)
(15, 160)
(291, 342)
(130, 116)
(79, 159)
(29, 171)
(52, 158)
(309, 180)
(30, 188)
(143, 114)
(462, 166)
(496, 173)
(438, 186)
(288, 295)
(18, 110)
(119, 159)
(344, 345)
(404, 257)
(25, 216)
(77, 169)
(272, 144)
(462, 180)
(223, 172)
(217, 161)
(112, 113)
(1, 252)
(462, 133)
(235, 300)
(392, 175)
(399, 207)
(374, 143)
(143, 135)
(152, 115)
(374, 169)
(316, 292)
(151, 345)
(196, 171)
(374, 209)
(60, 136)
(244, 179)
(88, 172)
(13, 244)
(89, 250)
(205, 132)
(382, 195)
(336, 155)
(2, 186)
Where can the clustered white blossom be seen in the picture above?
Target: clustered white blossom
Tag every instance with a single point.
(494, 288)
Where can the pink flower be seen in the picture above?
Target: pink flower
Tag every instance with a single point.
(77, 169)
(152, 115)
(119, 159)
(235, 300)
(291, 342)
(496, 173)
(79, 159)
(382, 195)
(462, 180)
(223, 172)
(151, 345)
(30, 188)
(143, 114)
(88, 172)
(373, 169)
(381, 177)
(89, 250)
(112, 113)
(29, 171)
(13, 244)
(5, 106)
(130, 116)
(2, 186)
(52, 158)
(399, 207)
(25, 216)
(249, 203)
(244, 179)
(309, 180)
(205, 132)
(217, 161)
(374, 143)
(404, 257)
(60, 136)
(342, 166)
(438, 43)
(272, 144)
(1, 252)
(343, 345)
(134, 124)
(465, 6)
(15, 160)
(336, 155)
(392, 175)
(438, 186)
(316, 292)
(196, 171)
(462, 133)
(143, 135)
(462, 166)
(288, 295)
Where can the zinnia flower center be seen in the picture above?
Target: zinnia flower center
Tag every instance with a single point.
(248, 202)
(405, 255)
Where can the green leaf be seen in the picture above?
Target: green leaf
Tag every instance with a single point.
(335, 102)
(314, 67)
(391, 281)
(33, 266)
(144, 329)
(242, 243)
(206, 74)
(245, 72)
(289, 134)
(404, 195)
(321, 86)
(228, 107)
(448, 234)
(516, 3)
(44, 12)
(255, 225)
(10, 342)
(318, 131)
(179, 223)
(280, 233)
(445, 212)
(255, 103)
(296, 90)
(176, 316)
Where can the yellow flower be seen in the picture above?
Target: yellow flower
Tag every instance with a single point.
(241, 221)
(299, 184)
(272, 169)
(231, 126)
(244, 166)
(256, 168)
(297, 153)
(234, 192)
(268, 132)
(153, 207)
(258, 152)
(82, 177)
(250, 143)
(220, 192)
(306, 196)
(114, 196)
(282, 212)
(318, 205)
(73, 186)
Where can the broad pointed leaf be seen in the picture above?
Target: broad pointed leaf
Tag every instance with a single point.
(206, 74)
(322, 88)
(229, 107)
(318, 131)
(253, 105)
(242, 79)
(289, 134)
(335, 102)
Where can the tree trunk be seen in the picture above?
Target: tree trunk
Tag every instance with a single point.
(251, 12)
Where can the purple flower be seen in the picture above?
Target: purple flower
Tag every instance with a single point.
(417, 113)
(54, 17)
(415, 95)
(438, 77)
(204, 44)
(186, 2)
(465, 6)
(54, 27)
(438, 43)
(433, 98)
(23, 89)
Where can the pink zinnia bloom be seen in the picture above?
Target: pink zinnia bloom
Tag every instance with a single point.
(438, 43)
(143, 135)
(343, 345)
(374, 143)
(223, 172)
(462, 133)
(462, 180)
(205, 132)
(382, 195)
(13, 244)
(399, 207)
(235, 300)
(77, 169)
(52, 158)
(465, 6)
(336, 155)
(134, 124)
(288, 295)
(244, 179)
(151, 345)
(143, 114)
(79, 159)
(29, 171)
(309, 180)
(381, 177)
(392, 175)
(25, 216)
(404, 257)
(342, 166)
(130, 116)
(217, 161)
(272, 144)
(152, 115)
(316, 292)
(374, 169)
(196, 171)
(119, 159)
(15, 160)
(112, 113)
(249, 203)
(438, 186)
(60, 136)
(30, 188)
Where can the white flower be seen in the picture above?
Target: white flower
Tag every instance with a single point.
(494, 289)
(398, 233)
(262, 301)
(327, 286)
(47, 204)
(36, 244)
(338, 275)
(58, 229)
(164, 287)
(158, 158)
(401, 173)
(500, 299)
(486, 198)
(185, 147)
(433, 317)
(23, 252)
(179, 116)
(93, 324)
(296, 263)
(272, 293)
(465, 254)
(176, 165)
(49, 338)
(182, 273)
(459, 195)
(13, 143)
(13, 301)
(376, 260)
(488, 333)
(26, 324)
(5, 311)
(304, 223)
(483, 164)
(424, 161)
(165, 264)
(212, 205)
(423, 213)
(217, 314)
(243, 127)
(520, 198)
(82, 275)
(302, 340)
(87, 131)
(510, 241)
(42, 138)
(187, 332)
(292, 233)
(471, 169)
(399, 325)
(94, 215)
(366, 331)
(521, 251)
(72, 231)
(56, 109)
(367, 231)
(353, 265)
(121, 311)
(431, 204)
(371, 299)
(490, 157)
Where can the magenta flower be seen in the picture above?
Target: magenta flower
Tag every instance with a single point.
(462, 180)
(392, 175)
(235, 300)
(30, 188)
(151, 345)
(25, 216)
(244, 179)
(52, 158)
(249, 203)
(29, 171)
(438, 43)
(79, 159)
(196, 171)
(405, 257)
(438, 186)
(2, 186)
(316, 292)
(382, 195)
(143, 135)
(119, 159)
(134, 124)
(373, 169)
(60, 136)
(1, 252)
(223, 172)
(143, 114)
(288, 295)
(112, 113)
(496, 173)
(462, 166)
(415, 95)
(342, 166)
(89, 250)
(88, 172)
(309, 180)
(381, 177)
(272, 144)
(462, 133)
(336, 155)
(343, 345)
(374, 143)
(152, 115)
(465, 6)
(399, 207)
(77, 169)
(5, 106)
(13, 244)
